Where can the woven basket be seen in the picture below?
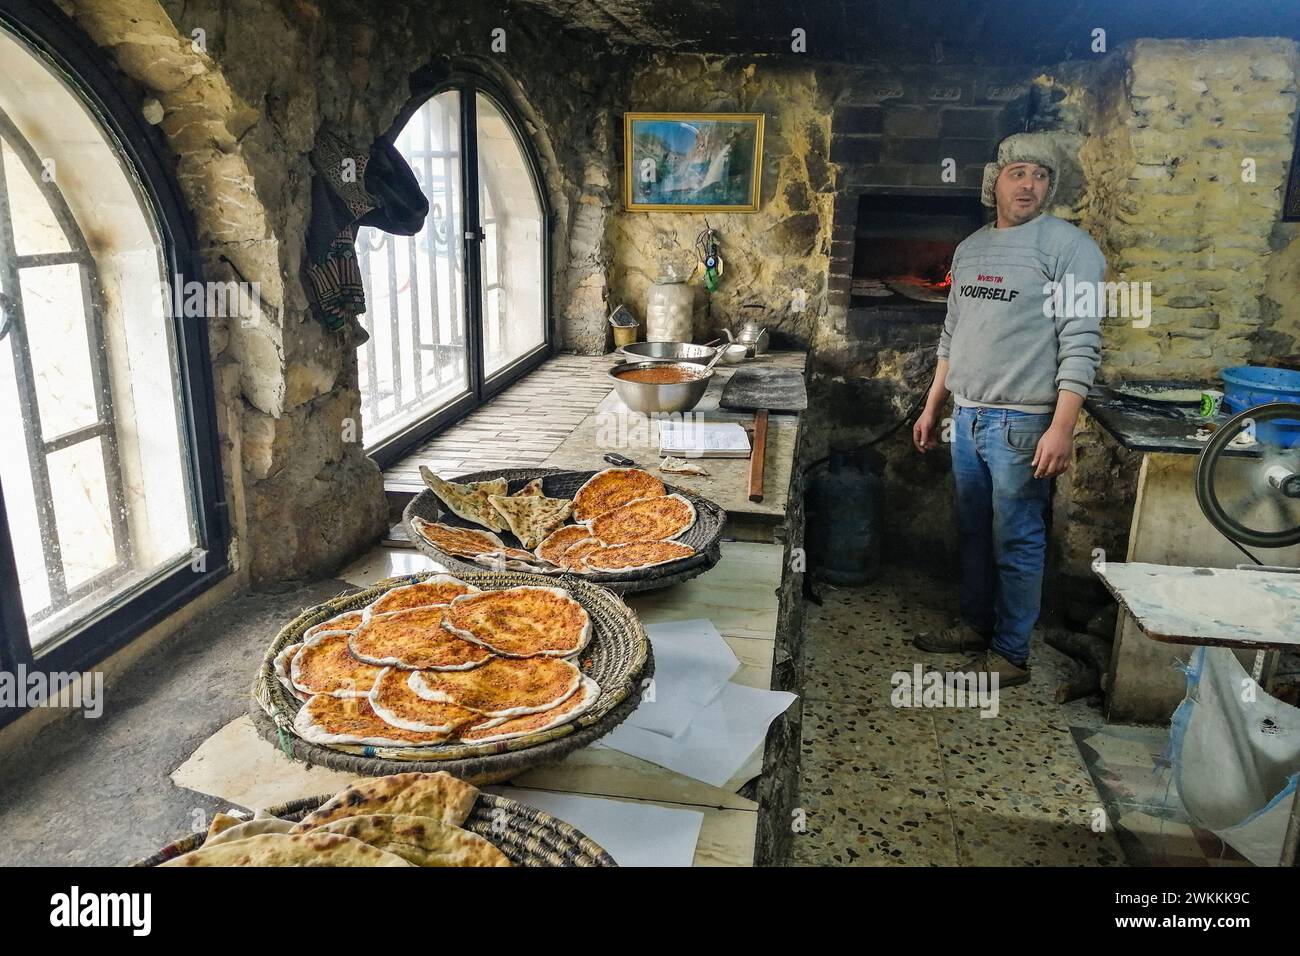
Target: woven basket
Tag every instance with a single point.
(618, 659)
(705, 536)
(528, 836)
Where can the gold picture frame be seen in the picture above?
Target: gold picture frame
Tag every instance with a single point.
(713, 161)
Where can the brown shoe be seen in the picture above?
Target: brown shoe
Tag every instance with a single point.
(952, 640)
(1009, 674)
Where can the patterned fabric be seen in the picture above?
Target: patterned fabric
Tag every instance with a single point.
(353, 189)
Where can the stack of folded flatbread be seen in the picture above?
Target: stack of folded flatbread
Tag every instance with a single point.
(409, 819)
(624, 520)
(441, 661)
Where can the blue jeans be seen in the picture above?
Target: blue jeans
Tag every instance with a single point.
(1002, 520)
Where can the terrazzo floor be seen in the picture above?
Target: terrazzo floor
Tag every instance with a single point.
(1039, 784)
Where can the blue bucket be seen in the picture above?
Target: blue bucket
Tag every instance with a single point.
(1249, 386)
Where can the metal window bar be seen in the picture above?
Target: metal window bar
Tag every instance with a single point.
(440, 243)
(103, 428)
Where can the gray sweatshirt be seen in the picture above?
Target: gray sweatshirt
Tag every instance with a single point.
(1004, 342)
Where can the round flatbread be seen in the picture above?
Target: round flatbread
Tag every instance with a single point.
(636, 556)
(281, 666)
(571, 560)
(462, 542)
(243, 829)
(503, 687)
(352, 721)
(415, 639)
(323, 665)
(521, 622)
(606, 490)
(396, 704)
(438, 795)
(283, 849)
(439, 589)
(558, 541)
(569, 709)
(646, 519)
(420, 841)
(342, 623)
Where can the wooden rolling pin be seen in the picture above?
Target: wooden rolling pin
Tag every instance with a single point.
(758, 452)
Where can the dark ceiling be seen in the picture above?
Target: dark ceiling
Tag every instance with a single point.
(1045, 31)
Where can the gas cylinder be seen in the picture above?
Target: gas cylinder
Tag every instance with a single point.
(845, 502)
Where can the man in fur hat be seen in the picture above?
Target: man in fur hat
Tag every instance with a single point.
(1018, 372)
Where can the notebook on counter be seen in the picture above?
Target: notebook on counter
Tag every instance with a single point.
(698, 439)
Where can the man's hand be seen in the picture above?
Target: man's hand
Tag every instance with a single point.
(923, 430)
(1052, 456)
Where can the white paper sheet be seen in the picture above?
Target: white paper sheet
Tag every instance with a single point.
(718, 741)
(632, 832)
(695, 439)
(692, 664)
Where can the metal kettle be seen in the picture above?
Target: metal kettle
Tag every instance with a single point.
(753, 336)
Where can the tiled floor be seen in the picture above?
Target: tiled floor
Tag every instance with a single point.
(520, 427)
(1037, 784)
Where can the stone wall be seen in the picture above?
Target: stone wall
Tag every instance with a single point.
(240, 89)
(1164, 128)
(769, 254)
(1151, 139)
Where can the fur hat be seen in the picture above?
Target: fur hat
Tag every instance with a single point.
(1021, 148)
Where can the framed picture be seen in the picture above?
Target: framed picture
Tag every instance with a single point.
(692, 162)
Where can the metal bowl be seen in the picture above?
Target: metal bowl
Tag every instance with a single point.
(669, 352)
(675, 397)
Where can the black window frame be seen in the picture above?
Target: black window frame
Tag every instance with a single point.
(481, 388)
(71, 54)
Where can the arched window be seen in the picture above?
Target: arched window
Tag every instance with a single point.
(107, 500)
(456, 312)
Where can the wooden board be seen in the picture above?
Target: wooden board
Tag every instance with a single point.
(1213, 606)
(776, 389)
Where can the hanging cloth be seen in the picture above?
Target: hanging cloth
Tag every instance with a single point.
(350, 189)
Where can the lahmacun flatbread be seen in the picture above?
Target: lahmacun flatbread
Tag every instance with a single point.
(439, 589)
(521, 621)
(351, 720)
(281, 666)
(347, 621)
(514, 559)
(569, 709)
(462, 542)
(415, 639)
(636, 556)
(532, 517)
(503, 687)
(396, 703)
(645, 519)
(469, 500)
(558, 541)
(323, 665)
(573, 555)
(606, 490)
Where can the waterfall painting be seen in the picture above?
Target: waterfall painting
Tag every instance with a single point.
(692, 162)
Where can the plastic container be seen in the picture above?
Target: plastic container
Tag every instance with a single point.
(1246, 386)
(1249, 386)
